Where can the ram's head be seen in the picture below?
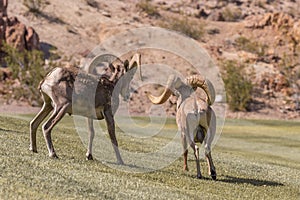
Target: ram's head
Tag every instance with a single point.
(174, 83)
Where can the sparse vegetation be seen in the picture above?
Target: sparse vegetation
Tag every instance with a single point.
(231, 14)
(287, 66)
(147, 7)
(193, 29)
(27, 69)
(35, 6)
(260, 4)
(238, 86)
(243, 43)
(213, 31)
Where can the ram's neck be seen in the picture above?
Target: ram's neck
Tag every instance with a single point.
(184, 92)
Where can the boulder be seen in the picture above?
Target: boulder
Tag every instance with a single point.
(15, 36)
(15, 33)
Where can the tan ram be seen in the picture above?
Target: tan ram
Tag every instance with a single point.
(195, 118)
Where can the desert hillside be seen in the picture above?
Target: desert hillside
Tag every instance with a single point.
(260, 36)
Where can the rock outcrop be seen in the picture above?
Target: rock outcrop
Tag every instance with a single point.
(280, 22)
(3, 8)
(15, 33)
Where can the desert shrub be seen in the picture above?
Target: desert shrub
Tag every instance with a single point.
(188, 27)
(238, 86)
(286, 67)
(289, 67)
(260, 4)
(27, 69)
(147, 7)
(231, 14)
(246, 44)
(35, 6)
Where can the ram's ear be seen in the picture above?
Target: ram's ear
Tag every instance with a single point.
(126, 65)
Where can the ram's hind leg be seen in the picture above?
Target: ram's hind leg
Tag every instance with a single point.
(37, 120)
(196, 153)
(212, 169)
(55, 117)
(208, 141)
(192, 122)
(185, 151)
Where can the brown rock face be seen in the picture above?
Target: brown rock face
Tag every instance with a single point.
(279, 21)
(3, 8)
(15, 33)
(14, 36)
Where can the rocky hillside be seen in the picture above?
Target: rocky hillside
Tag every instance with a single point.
(263, 35)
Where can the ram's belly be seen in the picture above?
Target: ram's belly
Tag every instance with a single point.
(82, 109)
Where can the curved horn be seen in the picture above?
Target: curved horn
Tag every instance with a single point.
(136, 61)
(165, 95)
(199, 81)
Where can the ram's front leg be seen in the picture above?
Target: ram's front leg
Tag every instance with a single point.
(89, 155)
(196, 153)
(110, 122)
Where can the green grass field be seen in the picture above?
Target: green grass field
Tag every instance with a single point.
(255, 159)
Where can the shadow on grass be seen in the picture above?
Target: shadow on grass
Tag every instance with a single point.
(126, 167)
(255, 182)
(7, 130)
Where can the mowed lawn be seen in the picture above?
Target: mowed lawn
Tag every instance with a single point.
(255, 159)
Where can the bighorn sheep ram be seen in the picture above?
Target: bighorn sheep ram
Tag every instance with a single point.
(63, 89)
(195, 118)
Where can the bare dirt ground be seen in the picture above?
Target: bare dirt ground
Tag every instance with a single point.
(17, 108)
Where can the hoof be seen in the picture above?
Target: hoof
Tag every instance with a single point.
(120, 162)
(89, 157)
(199, 176)
(213, 175)
(34, 150)
(185, 168)
(54, 156)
